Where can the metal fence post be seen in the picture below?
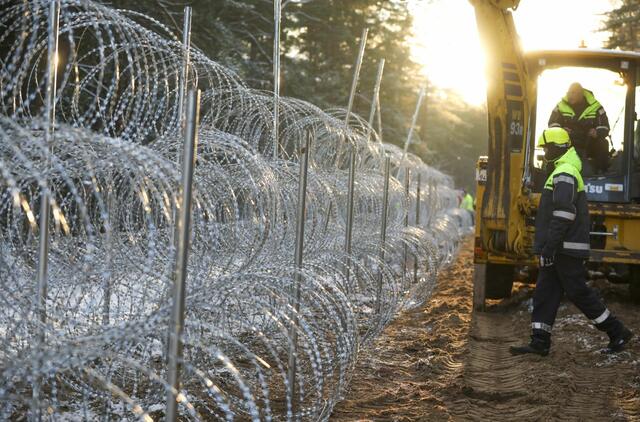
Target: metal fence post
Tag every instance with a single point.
(350, 204)
(383, 232)
(352, 157)
(356, 73)
(106, 304)
(379, 119)
(50, 115)
(376, 97)
(182, 90)
(414, 121)
(277, 17)
(417, 224)
(45, 206)
(432, 199)
(296, 293)
(184, 71)
(407, 180)
(182, 254)
(354, 86)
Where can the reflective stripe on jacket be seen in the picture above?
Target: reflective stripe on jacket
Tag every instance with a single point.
(592, 117)
(562, 220)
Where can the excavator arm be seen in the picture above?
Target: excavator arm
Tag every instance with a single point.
(500, 4)
(504, 233)
(509, 107)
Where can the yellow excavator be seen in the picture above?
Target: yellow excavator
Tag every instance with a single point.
(509, 180)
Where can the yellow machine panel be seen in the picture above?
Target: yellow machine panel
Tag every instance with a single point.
(508, 182)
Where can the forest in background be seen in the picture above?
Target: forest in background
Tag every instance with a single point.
(320, 40)
(622, 24)
(319, 45)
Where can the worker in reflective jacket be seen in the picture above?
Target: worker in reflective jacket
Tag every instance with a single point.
(562, 242)
(580, 114)
(467, 203)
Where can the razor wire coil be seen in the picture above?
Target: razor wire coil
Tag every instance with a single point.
(110, 170)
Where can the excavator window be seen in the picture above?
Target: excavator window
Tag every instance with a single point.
(610, 90)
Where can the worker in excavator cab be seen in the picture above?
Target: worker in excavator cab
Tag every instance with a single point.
(562, 243)
(580, 114)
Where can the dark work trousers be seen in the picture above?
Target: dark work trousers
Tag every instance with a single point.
(568, 275)
(594, 153)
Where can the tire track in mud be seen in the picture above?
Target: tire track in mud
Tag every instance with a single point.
(577, 382)
(442, 362)
(591, 386)
(574, 383)
(589, 394)
(492, 378)
(629, 400)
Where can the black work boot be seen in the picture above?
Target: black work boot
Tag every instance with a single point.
(539, 345)
(619, 335)
(618, 340)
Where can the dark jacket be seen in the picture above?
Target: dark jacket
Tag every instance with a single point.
(591, 116)
(562, 220)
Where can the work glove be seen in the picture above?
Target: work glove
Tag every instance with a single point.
(546, 261)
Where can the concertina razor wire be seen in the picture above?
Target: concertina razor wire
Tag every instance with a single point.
(111, 171)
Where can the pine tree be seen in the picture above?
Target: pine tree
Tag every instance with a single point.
(326, 34)
(320, 40)
(624, 23)
(236, 33)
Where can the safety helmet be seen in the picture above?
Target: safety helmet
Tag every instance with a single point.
(554, 135)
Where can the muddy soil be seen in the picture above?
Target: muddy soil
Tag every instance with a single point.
(444, 362)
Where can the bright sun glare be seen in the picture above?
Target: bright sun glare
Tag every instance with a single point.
(448, 47)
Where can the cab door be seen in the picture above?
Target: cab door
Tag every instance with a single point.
(618, 184)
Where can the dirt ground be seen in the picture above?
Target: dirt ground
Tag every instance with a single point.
(443, 362)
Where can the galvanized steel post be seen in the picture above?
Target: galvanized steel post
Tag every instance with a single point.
(277, 17)
(407, 180)
(296, 291)
(111, 223)
(50, 116)
(383, 232)
(45, 206)
(417, 224)
(379, 119)
(354, 86)
(356, 74)
(414, 121)
(352, 157)
(182, 90)
(376, 97)
(184, 71)
(174, 352)
(350, 203)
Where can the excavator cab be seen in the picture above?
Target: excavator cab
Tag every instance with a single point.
(510, 178)
(615, 74)
(613, 193)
